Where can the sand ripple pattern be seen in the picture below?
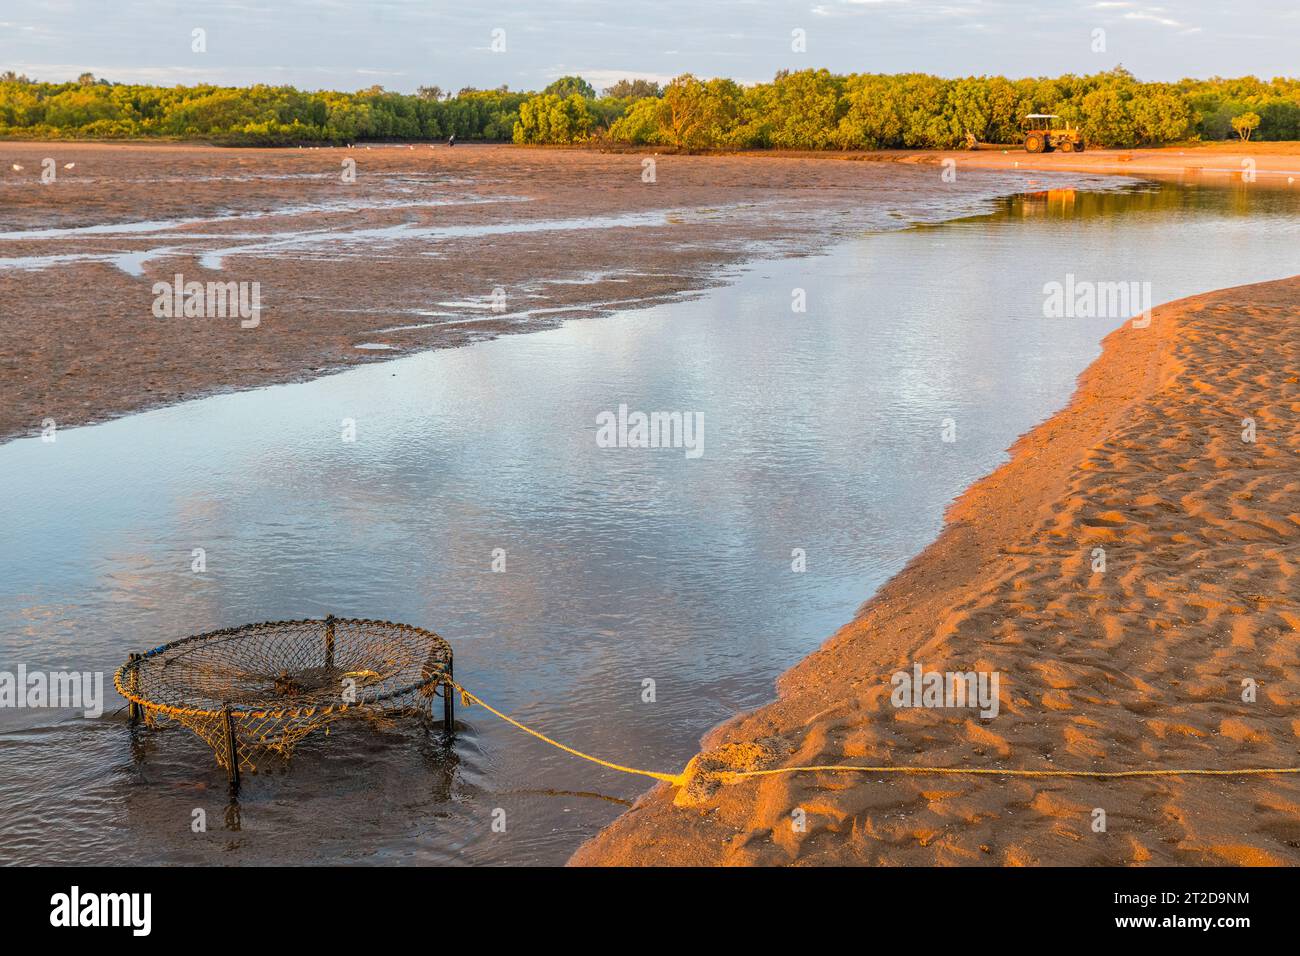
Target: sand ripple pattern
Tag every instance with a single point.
(1138, 667)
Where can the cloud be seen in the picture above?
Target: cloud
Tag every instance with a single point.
(853, 7)
(1151, 17)
(315, 43)
(1143, 14)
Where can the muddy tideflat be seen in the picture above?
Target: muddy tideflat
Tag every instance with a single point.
(408, 256)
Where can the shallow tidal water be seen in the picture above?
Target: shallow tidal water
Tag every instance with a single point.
(823, 431)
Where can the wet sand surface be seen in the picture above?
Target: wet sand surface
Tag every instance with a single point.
(1143, 665)
(1262, 164)
(407, 257)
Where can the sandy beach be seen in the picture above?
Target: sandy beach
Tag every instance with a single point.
(570, 438)
(1141, 666)
(1268, 164)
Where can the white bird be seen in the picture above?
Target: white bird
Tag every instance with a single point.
(16, 168)
(68, 165)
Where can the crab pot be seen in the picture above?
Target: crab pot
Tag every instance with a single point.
(132, 708)
(253, 693)
(448, 704)
(329, 642)
(232, 749)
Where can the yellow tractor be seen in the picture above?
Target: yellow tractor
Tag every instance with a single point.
(1043, 136)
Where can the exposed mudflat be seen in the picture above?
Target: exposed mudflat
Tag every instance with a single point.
(406, 257)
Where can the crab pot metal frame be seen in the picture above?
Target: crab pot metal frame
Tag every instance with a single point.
(232, 750)
(448, 703)
(133, 710)
(227, 743)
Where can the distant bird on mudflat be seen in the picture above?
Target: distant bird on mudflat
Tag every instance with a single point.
(16, 168)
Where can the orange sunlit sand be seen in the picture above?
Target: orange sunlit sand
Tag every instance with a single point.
(1183, 652)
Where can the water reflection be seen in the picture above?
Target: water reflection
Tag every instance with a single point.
(621, 564)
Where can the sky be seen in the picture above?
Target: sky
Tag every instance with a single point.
(403, 44)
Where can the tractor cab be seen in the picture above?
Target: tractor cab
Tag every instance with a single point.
(1043, 135)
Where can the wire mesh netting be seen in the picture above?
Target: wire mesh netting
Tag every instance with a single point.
(261, 688)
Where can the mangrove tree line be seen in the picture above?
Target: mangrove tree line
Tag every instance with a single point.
(807, 109)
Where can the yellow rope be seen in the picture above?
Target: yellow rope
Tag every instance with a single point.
(732, 776)
(676, 780)
(728, 776)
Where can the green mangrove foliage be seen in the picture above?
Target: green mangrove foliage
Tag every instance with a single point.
(808, 109)
(550, 118)
(257, 115)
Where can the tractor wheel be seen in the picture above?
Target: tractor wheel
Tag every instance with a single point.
(1034, 143)
(1079, 146)
(1067, 146)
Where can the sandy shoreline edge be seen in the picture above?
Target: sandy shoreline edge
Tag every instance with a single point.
(1139, 462)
